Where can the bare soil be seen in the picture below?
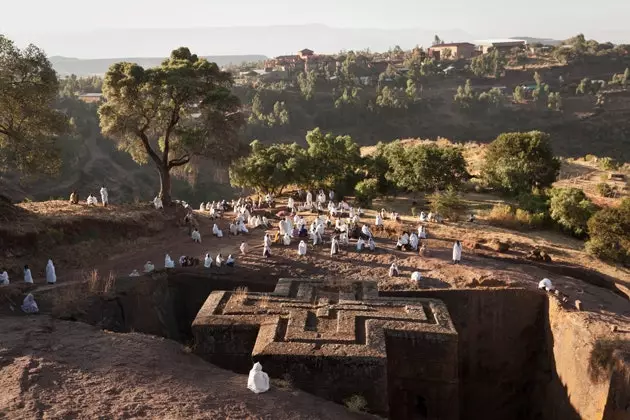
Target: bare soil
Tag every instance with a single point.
(51, 369)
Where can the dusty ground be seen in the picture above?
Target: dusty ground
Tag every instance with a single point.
(52, 369)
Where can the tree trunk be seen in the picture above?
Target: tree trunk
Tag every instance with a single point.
(165, 185)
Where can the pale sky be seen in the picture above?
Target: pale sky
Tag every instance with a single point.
(35, 20)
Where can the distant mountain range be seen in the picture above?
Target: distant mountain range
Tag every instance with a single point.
(66, 66)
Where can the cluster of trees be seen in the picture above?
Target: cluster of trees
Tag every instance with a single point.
(279, 115)
(489, 65)
(335, 162)
(73, 85)
(467, 99)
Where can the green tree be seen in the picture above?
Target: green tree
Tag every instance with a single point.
(447, 204)
(306, 82)
(571, 209)
(392, 98)
(171, 113)
(366, 191)
(491, 64)
(349, 98)
(626, 76)
(493, 98)
(269, 169)
(517, 162)
(609, 231)
(333, 160)
(29, 123)
(424, 167)
(411, 91)
(437, 40)
(584, 87)
(541, 93)
(554, 102)
(465, 97)
(519, 94)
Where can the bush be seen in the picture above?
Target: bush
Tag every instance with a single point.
(606, 190)
(518, 162)
(356, 403)
(505, 216)
(571, 209)
(608, 164)
(448, 204)
(609, 231)
(366, 191)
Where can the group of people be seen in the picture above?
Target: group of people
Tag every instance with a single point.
(51, 275)
(91, 200)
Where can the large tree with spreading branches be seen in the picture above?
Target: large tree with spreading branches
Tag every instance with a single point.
(29, 122)
(172, 113)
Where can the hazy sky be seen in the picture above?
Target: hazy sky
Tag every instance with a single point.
(35, 19)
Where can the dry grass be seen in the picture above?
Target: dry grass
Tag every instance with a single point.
(264, 301)
(240, 294)
(71, 299)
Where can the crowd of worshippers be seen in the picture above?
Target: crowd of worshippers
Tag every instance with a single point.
(51, 275)
(187, 261)
(91, 199)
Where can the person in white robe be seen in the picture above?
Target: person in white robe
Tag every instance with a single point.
(414, 241)
(265, 222)
(430, 217)
(157, 203)
(258, 381)
(29, 305)
(286, 240)
(422, 232)
(291, 204)
(202, 206)
(207, 261)
(134, 273)
(309, 199)
(334, 246)
(457, 252)
(230, 261)
(168, 262)
(233, 229)
(4, 278)
(365, 230)
(104, 196)
(242, 228)
(91, 200)
(545, 284)
(196, 236)
(282, 227)
(219, 260)
(182, 260)
(360, 245)
(393, 270)
(28, 277)
(51, 276)
(371, 245)
(267, 240)
(416, 276)
(208, 206)
(359, 212)
(343, 239)
(267, 251)
(213, 213)
(379, 221)
(244, 248)
(404, 239)
(423, 216)
(149, 267)
(216, 231)
(302, 249)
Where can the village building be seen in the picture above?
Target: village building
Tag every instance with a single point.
(454, 50)
(502, 45)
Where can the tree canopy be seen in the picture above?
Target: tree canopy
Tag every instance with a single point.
(29, 122)
(424, 167)
(609, 231)
(571, 209)
(171, 113)
(518, 162)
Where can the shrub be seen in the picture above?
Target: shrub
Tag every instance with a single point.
(365, 191)
(609, 231)
(447, 204)
(608, 164)
(505, 216)
(590, 158)
(517, 162)
(605, 190)
(571, 209)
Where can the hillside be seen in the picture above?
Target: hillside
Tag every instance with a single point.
(66, 66)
